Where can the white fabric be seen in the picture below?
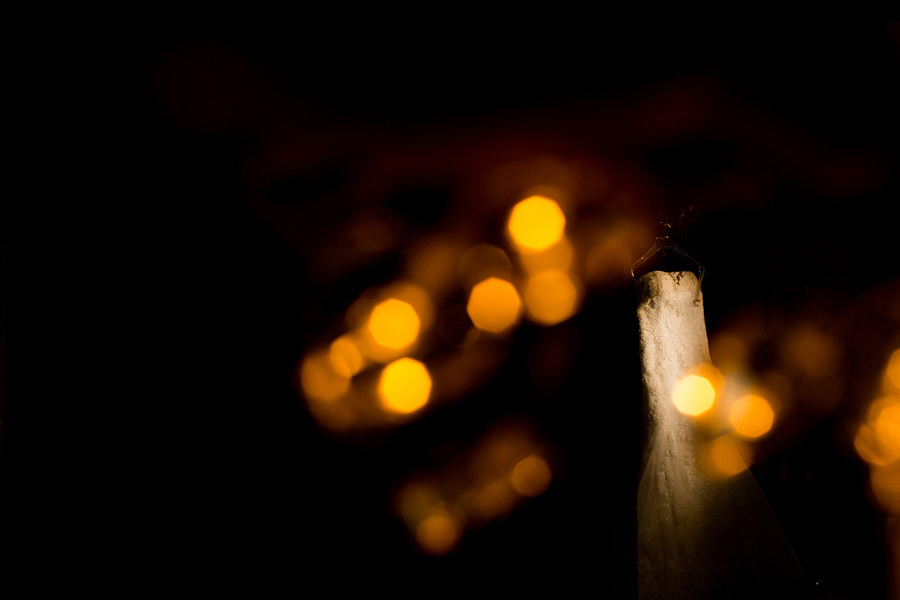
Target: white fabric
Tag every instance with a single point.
(697, 537)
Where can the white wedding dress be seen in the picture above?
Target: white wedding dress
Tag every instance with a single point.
(698, 538)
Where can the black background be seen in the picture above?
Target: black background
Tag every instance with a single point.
(153, 318)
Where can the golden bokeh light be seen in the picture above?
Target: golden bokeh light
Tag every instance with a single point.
(694, 395)
(752, 416)
(885, 482)
(394, 324)
(345, 356)
(811, 352)
(726, 457)
(893, 368)
(494, 499)
(415, 500)
(550, 297)
(404, 386)
(494, 305)
(438, 533)
(530, 476)
(319, 379)
(536, 223)
(887, 430)
(866, 445)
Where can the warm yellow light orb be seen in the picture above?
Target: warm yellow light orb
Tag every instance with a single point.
(345, 357)
(404, 386)
(550, 297)
(494, 499)
(394, 324)
(751, 416)
(887, 431)
(694, 395)
(726, 457)
(494, 305)
(438, 533)
(536, 223)
(530, 476)
(319, 379)
(893, 368)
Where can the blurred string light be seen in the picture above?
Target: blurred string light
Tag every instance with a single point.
(508, 466)
(394, 324)
(404, 386)
(752, 416)
(494, 305)
(877, 440)
(729, 413)
(535, 224)
(693, 395)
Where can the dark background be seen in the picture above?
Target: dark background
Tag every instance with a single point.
(160, 293)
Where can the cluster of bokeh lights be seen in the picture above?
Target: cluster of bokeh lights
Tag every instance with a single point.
(371, 375)
(728, 414)
(877, 440)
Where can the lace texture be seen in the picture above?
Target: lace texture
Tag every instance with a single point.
(697, 537)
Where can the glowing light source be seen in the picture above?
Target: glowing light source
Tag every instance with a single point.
(345, 357)
(438, 533)
(550, 297)
(726, 456)
(893, 368)
(404, 386)
(887, 430)
(494, 499)
(885, 483)
(530, 476)
(394, 324)
(694, 395)
(494, 305)
(319, 379)
(415, 501)
(536, 223)
(752, 416)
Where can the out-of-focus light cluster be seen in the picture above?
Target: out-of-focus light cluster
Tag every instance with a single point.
(536, 224)
(877, 440)
(409, 343)
(729, 414)
(494, 305)
(505, 468)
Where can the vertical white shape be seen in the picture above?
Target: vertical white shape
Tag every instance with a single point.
(697, 537)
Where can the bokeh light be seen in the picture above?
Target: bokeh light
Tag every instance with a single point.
(550, 297)
(694, 395)
(404, 386)
(415, 500)
(345, 356)
(887, 430)
(810, 352)
(530, 476)
(536, 223)
(438, 533)
(885, 482)
(494, 499)
(319, 379)
(494, 305)
(726, 456)
(752, 416)
(893, 368)
(394, 324)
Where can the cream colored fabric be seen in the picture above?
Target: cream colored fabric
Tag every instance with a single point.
(697, 537)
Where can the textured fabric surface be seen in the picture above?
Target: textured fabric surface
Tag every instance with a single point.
(697, 537)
